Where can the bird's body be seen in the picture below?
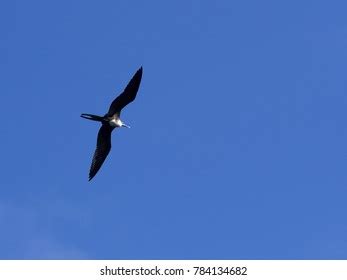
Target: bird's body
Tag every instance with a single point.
(110, 121)
(115, 122)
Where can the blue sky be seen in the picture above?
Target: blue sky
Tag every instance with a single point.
(237, 147)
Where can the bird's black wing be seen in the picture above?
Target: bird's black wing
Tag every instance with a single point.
(103, 147)
(128, 95)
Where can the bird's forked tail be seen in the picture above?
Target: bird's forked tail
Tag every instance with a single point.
(92, 117)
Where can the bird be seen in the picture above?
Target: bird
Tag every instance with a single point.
(110, 121)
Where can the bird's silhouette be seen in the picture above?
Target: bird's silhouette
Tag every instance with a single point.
(110, 121)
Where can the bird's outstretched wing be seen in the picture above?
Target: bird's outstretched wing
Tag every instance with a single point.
(103, 147)
(128, 95)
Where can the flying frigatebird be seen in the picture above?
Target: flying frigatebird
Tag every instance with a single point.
(110, 121)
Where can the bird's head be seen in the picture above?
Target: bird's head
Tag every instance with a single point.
(117, 123)
(123, 124)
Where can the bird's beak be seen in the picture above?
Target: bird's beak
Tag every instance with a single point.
(124, 125)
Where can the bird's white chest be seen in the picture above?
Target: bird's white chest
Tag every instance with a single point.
(115, 123)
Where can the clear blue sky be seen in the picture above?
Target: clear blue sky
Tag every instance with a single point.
(237, 147)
